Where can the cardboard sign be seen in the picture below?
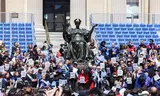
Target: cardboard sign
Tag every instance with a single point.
(95, 51)
(118, 84)
(108, 70)
(72, 75)
(113, 59)
(44, 72)
(140, 60)
(135, 66)
(2, 68)
(144, 49)
(30, 62)
(12, 73)
(62, 82)
(156, 77)
(35, 70)
(23, 73)
(0, 83)
(6, 67)
(82, 80)
(75, 94)
(119, 72)
(129, 80)
(47, 65)
(119, 68)
(102, 65)
(75, 70)
(158, 64)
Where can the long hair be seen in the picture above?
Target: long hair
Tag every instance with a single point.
(103, 43)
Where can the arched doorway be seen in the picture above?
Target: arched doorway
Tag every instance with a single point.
(56, 13)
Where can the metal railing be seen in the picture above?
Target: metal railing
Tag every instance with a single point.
(47, 32)
(125, 18)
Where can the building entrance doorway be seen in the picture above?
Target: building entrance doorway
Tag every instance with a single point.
(56, 13)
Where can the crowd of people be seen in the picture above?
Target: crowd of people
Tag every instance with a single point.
(126, 70)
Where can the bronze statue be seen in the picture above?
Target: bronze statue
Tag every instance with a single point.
(77, 39)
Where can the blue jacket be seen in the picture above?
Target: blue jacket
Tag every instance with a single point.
(45, 84)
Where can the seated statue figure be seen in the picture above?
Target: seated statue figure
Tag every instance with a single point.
(77, 39)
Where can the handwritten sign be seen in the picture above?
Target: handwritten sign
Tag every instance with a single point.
(119, 68)
(75, 70)
(23, 73)
(82, 80)
(95, 51)
(47, 64)
(119, 72)
(2, 68)
(30, 62)
(144, 49)
(35, 70)
(108, 70)
(44, 72)
(113, 59)
(72, 75)
(135, 66)
(129, 80)
(102, 65)
(156, 77)
(62, 82)
(158, 64)
(118, 84)
(6, 67)
(140, 60)
(0, 83)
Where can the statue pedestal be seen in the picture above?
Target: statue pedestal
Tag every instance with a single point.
(82, 65)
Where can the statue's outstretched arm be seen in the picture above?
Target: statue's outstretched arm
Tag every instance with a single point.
(90, 32)
(65, 34)
(93, 28)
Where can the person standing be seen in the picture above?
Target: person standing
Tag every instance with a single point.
(14, 48)
(113, 52)
(103, 48)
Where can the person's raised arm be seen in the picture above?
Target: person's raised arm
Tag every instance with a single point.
(60, 91)
(51, 92)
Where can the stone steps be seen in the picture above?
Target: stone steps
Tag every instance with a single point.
(40, 36)
(56, 38)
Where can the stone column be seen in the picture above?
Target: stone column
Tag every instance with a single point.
(144, 16)
(0, 10)
(36, 7)
(155, 6)
(78, 10)
(155, 9)
(118, 8)
(1, 5)
(95, 6)
(14, 6)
